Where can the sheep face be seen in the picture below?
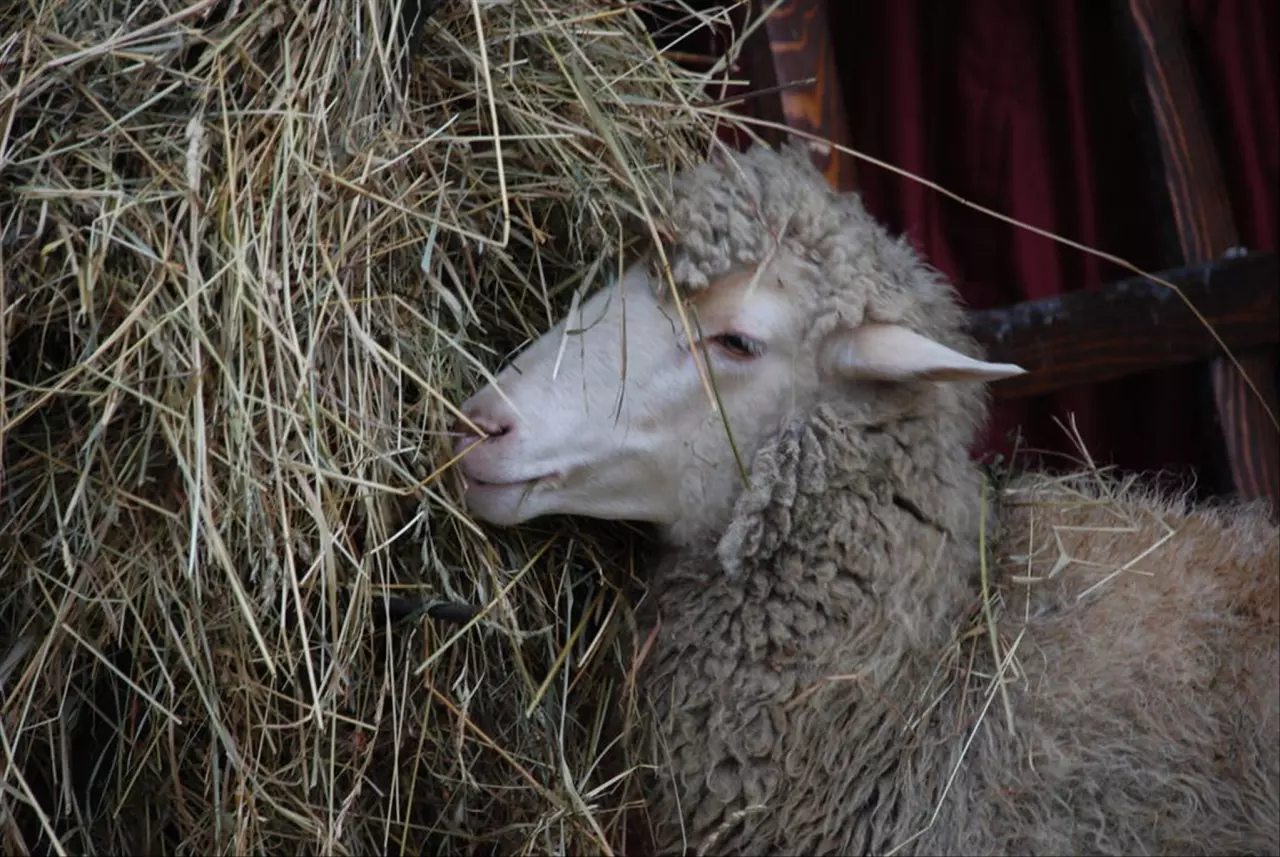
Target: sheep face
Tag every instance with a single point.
(606, 415)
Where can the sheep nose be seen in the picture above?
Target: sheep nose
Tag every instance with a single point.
(490, 426)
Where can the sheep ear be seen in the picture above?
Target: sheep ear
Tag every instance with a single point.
(890, 352)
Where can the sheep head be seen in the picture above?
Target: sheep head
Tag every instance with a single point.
(794, 296)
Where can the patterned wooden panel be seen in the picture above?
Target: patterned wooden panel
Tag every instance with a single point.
(796, 46)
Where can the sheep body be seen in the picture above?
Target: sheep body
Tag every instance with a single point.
(796, 673)
(817, 683)
(1144, 715)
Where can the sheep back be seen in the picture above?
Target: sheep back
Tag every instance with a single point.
(838, 699)
(1147, 695)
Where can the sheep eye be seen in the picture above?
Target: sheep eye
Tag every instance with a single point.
(737, 345)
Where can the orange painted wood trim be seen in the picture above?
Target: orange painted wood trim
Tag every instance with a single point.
(800, 49)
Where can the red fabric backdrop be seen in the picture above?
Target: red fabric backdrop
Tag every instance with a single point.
(1034, 109)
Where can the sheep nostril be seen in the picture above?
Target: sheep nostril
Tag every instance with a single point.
(488, 428)
(494, 429)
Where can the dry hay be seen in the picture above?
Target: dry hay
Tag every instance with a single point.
(251, 256)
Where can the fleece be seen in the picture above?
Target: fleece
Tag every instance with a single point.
(824, 680)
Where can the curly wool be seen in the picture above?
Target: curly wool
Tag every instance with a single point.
(742, 210)
(795, 675)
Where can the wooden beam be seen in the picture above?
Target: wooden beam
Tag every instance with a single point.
(1132, 326)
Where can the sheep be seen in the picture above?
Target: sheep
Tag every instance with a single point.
(820, 557)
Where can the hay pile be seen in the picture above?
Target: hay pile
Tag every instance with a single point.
(252, 254)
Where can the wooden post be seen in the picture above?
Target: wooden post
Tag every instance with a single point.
(1206, 231)
(794, 45)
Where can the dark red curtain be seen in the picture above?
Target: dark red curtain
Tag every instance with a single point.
(1036, 109)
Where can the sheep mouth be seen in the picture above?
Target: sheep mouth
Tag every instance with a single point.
(513, 483)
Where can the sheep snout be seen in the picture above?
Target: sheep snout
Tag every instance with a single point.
(491, 428)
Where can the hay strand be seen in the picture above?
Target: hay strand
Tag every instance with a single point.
(250, 253)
